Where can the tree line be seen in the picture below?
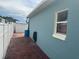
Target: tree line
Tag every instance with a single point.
(8, 19)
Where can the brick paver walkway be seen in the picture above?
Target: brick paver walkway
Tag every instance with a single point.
(24, 48)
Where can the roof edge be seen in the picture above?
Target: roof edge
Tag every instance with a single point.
(41, 6)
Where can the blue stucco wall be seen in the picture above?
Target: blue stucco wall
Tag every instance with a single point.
(43, 23)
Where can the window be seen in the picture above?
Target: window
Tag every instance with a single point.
(61, 24)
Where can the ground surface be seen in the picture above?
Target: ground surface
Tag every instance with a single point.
(24, 48)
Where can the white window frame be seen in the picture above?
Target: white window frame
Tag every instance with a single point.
(59, 35)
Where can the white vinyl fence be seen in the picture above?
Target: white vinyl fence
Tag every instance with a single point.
(20, 27)
(6, 32)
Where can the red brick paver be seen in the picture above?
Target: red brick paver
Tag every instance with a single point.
(24, 48)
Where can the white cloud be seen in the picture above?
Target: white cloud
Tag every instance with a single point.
(18, 7)
(14, 5)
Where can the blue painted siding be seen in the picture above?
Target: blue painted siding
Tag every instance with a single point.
(43, 23)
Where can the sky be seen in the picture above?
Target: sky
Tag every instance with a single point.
(17, 9)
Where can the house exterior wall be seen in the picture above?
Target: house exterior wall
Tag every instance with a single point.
(43, 23)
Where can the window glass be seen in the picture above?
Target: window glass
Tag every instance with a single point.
(62, 16)
(62, 28)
